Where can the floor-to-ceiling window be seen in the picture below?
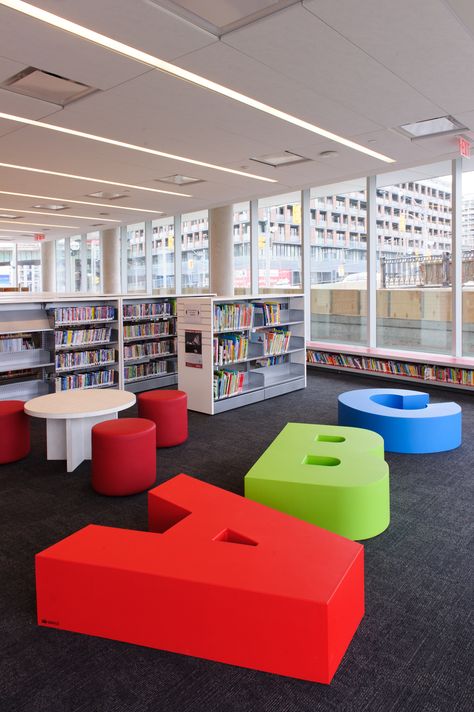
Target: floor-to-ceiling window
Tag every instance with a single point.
(467, 244)
(76, 262)
(162, 250)
(136, 261)
(29, 266)
(93, 262)
(60, 257)
(7, 265)
(279, 243)
(414, 218)
(241, 235)
(338, 260)
(195, 251)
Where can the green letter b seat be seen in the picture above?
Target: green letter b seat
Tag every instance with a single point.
(332, 476)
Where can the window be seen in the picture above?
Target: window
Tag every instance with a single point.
(136, 263)
(93, 262)
(338, 266)
(162, 256)
(60, 248)
(195, 252)
(75, 261)
(242, 248)
(279, 266)
(414, 271)
(468, 262)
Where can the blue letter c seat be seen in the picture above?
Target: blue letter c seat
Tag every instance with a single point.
(406, 420)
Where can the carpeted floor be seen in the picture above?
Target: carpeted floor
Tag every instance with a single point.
(413, 650)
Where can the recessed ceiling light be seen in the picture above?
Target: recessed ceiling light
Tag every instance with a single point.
(179, 180)
(442, 125)
(81, 202)
(152, 61)
(286, 158)
(130, 146)
(21, 231)
(51, 206)
(88, 179)
(72, 227)
(10, 216)
(41, 212)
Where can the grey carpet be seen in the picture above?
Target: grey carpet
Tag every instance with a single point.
(413, 650)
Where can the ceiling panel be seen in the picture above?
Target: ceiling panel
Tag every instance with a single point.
(304, 49)
(422, 42)
(19, 105)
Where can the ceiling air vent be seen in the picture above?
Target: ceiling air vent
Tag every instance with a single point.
(179, 179)
(46, 86)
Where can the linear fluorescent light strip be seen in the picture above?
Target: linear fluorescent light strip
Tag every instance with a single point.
(79, 202)
(23, 232)
(132, 147)
(41, 212)
(87, 178)
(15, 222)
(148, 59)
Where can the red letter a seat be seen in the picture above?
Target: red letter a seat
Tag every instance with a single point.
(218, 576)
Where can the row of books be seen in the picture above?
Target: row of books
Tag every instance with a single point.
(269, 361)
(229, 348)
(227, 383)
(151, 348)
(142, 370)
(76, 359)
(276, 341)
(82, 313)
(269, 312)
(444, 374)
(131, 331)
(232, 316)
(84, 380)
(139, 311)
(82, 337)
(21, 342)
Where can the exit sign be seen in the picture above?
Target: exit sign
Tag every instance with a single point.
(39, 236)
(464, 147)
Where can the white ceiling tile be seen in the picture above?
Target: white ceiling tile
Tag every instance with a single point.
(422, 42)
(304, 49)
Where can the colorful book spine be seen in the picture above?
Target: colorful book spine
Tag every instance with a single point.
(77, 359)
(232, 316)
(228, 383)
(91, 379)
(150, 310)
(230, 348)
(81, 337)
(83, 313)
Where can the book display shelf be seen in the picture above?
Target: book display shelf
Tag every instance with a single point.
(403, 365)
(86, 343)
(26, 350)
(232, 352)
(149, 343)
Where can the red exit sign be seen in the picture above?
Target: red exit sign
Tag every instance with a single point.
(464, 147)
(39, 236)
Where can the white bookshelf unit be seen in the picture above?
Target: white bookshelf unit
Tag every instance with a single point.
(86, 338)
(417, 368)
(237, 351)
(149, 343)
(26, 350)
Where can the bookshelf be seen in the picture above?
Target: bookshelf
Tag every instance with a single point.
(26, 350)
(149, 343)
(86, 335)
(233, 352)
(417, 368)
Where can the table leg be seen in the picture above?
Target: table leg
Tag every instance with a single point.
(56, 439)
(78, 438)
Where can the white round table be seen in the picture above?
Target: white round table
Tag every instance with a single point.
(70, 416)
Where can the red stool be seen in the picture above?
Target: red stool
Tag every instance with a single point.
(169, 411)
(15, 431)
(123, 456)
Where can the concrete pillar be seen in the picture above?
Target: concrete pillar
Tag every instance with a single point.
(48, 266)
(221, 251)
(111, 281)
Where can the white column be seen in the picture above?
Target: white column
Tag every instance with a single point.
(456, 258)
(221, 250)
(306, 259)
(254, 247)
(48, 266)
(371, 261)
(111, 282)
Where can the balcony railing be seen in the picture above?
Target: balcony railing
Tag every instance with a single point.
(420, 271)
